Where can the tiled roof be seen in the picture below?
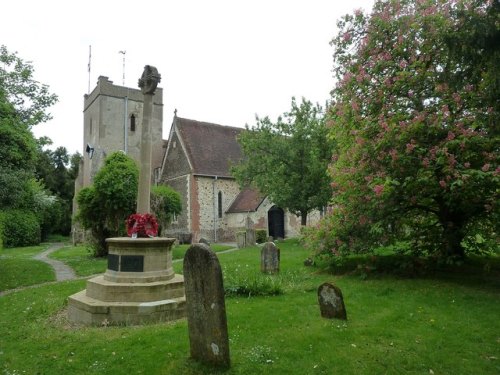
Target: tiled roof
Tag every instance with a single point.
(248, 200)
(211, 148)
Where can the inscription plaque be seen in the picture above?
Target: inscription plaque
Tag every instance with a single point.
(132, 263)
(113, 262)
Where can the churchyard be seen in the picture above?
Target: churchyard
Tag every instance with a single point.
(434, 322)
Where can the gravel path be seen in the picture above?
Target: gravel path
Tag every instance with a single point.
(63, 272)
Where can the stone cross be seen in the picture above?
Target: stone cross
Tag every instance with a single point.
(331, 302)
(148, 83)
(205, 305)
(270, 258)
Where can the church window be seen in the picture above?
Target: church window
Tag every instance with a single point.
(132, 123)
(220, 204)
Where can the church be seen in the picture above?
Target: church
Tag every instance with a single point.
(195, 161)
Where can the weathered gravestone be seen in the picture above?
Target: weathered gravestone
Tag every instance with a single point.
(206, 310)
(331, 302)
(241, 239)
(249, 233)
(270, 258)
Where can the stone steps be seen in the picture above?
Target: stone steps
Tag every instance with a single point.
(109, 291)
(86, 310)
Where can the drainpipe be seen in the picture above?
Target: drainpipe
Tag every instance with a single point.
(125, 126)
(215, 208)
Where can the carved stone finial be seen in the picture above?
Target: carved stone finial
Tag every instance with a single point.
(175, 112)
(149, 80)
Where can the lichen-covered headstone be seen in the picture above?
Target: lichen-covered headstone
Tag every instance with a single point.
(205, 304)
(331, 302)
(270, 258)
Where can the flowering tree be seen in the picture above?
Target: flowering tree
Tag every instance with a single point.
(415, 116)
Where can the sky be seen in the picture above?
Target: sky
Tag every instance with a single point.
(221, 61)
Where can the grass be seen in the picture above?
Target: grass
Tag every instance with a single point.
(18, 269)
(395, 326)
(80, 259)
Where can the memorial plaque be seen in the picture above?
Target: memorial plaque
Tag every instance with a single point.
(132, 263)
(113, 262)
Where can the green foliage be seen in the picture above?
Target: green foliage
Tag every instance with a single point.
(19, 228)
(29, 97)
(288, 160)
(260, 235)
(104, 206)
(414, 120)
(166, 204)
(17, 143)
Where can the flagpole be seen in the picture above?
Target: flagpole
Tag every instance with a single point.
(90, 56)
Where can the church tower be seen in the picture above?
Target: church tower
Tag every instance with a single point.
(112, 119)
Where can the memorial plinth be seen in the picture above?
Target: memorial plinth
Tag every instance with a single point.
(139, 286)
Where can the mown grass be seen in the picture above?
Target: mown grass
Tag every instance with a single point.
(395, 325)
(17, 268)
(84, 264)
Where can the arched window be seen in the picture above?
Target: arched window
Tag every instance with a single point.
(132, 122)
(220, 204)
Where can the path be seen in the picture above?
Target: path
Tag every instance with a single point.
(63, 272)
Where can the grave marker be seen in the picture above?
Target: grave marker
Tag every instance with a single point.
(331, 302)
(270, 258)
(206, 310)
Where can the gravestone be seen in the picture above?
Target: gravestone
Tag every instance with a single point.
(250, 239)
(331, 302)
(205, 305)
(270, 258)
(241, 239)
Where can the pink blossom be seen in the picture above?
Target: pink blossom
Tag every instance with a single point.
(346, 36)
(451, 136)
(378, 189)
(442, 183)
(394, 154)
(358, 12)
(425, 162)
(355, 105)
(486, 167)
(403, 64)
(410, 147)
(467, 164)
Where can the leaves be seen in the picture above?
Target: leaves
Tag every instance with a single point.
(287, 160)
(413, 118)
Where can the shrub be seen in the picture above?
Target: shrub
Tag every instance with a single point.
(19, 228)
(260, 235)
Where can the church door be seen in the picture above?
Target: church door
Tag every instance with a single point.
(276, 222)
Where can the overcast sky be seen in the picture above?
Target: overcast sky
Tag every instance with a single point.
(221, 61)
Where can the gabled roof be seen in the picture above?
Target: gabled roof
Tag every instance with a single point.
(248, 200)
(212, 149)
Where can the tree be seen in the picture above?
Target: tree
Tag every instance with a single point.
(30, 98)
(104, 206)
(415, 120)
(165, 204)
(27, 208)
(288, 160)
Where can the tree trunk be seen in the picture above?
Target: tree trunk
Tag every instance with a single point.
(452, 238)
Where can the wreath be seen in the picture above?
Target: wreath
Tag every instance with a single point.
(141, 225)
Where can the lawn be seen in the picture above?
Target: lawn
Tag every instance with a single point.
(80, 259)
(426, 325)
(17, 268)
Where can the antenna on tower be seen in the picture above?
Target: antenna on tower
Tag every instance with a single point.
(90, 56)
(123, 53)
